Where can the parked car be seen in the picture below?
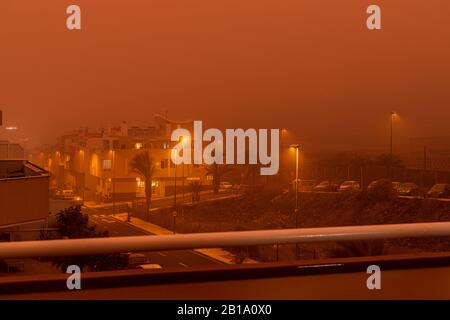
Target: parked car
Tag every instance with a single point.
(68, 195)
(408, 189)
(396, 185)
(226, 185)
(304, 185)
(326, 186)
(440, 190)
(134, 260)
(373, 184)
(349, 186)
(149, 266)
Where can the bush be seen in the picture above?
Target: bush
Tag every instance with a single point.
(382, 190)
(360, 248)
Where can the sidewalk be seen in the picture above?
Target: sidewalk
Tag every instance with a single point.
(220, 196)
(218, 254)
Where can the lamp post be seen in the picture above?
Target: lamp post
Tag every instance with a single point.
(183, 181)
(391, 154)
(296, 147)
(183, 141)
(175, 188)
(114, 181)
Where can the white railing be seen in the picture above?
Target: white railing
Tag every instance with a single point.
(48, 248)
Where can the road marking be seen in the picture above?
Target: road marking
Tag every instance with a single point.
(162, 254)
(182, 264)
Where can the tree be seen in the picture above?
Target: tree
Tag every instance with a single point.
(142, 164)
(382, 190)
(196, 187)
(73, 224)
(360, 248)
(217, 171)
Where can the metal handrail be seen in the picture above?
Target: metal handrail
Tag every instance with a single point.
(73, 247)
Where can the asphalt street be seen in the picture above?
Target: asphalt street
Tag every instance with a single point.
(166, 259)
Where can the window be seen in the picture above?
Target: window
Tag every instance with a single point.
(164, 164)
(116, 144)
(107, 164)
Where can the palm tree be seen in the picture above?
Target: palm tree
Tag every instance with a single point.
(196, 187)
(142, 164)
(217, 171)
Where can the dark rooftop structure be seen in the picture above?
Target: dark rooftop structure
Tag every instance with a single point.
(11, 169)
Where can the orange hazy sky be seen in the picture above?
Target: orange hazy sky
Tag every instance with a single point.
(311, 66)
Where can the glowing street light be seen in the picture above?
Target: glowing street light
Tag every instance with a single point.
(391, 155)
(113, 154)
(297, 148)
(184, 140)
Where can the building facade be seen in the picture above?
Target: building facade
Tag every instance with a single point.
(11, 151)
(24, 199)
(97, 164)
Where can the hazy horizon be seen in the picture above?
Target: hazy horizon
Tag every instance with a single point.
(310, 67)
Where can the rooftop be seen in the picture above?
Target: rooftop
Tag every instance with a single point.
(16, 169)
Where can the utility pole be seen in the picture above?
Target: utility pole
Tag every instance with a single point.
(391, 154)
(114, 180)
(296, 147)
(182, 181)
(424, 174)
(175, 189)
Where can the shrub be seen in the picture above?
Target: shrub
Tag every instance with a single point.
(382, 190)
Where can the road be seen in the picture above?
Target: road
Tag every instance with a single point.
(167, 259)
(166, 202)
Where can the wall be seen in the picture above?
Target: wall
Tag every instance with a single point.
(11, 151)
(24, 199)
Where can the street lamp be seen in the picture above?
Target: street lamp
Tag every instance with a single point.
(183, 141)
(391, 154)
(175, 185)
(296, 147)
(114, 180)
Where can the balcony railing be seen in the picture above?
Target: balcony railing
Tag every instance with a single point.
(73, 247)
